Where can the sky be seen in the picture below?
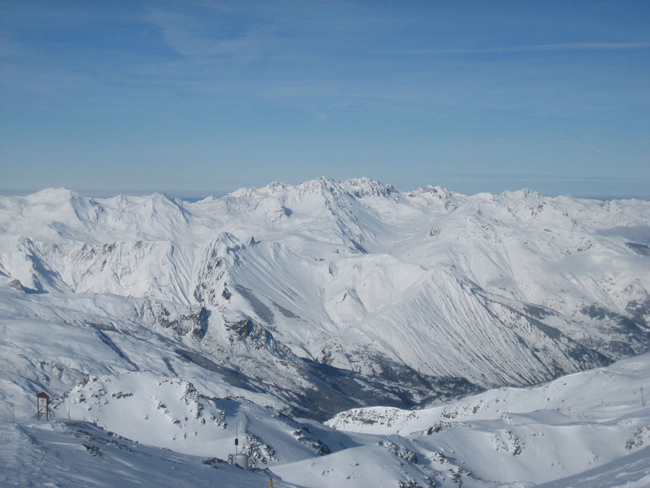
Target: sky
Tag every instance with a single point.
(198, 98)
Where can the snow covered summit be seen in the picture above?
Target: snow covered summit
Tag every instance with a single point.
(175, 323)
(415, 295)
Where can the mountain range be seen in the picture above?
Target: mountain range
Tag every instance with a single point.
(302, 302)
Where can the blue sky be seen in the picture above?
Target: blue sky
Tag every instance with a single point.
(198, 97)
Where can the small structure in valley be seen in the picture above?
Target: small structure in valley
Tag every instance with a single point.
(238, 459)
(43, 405)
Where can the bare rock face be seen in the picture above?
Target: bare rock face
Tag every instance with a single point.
(16, 285)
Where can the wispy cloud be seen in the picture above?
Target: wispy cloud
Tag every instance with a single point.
(573, 46)
(195, 40)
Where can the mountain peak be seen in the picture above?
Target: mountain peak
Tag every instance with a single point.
(53, 195)
(366, 187)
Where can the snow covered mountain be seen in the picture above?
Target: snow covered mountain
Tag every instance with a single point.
(589, 429)
(585, 429)
(343, 294)
(184, 325)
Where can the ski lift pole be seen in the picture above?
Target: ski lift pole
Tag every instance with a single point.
(642, 399)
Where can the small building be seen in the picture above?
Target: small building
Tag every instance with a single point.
(43, 405)
(240, 460)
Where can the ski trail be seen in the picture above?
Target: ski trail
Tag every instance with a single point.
(12, 461)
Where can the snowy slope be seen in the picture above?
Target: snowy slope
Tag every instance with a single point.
(589, 426)
(163, 330)
(327, 285)
(79, 454)
(587, 429)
